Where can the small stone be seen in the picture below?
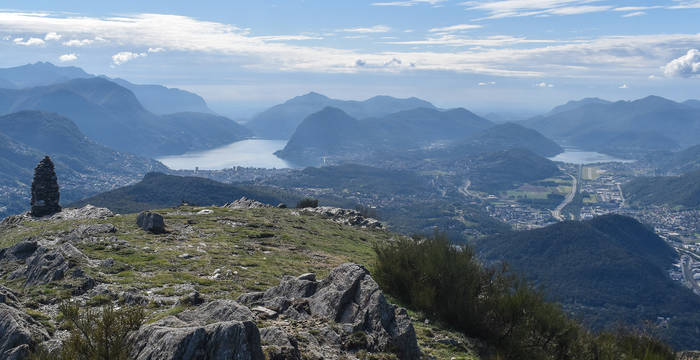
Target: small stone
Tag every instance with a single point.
(185, 256)
(205, 212)
(264, 313)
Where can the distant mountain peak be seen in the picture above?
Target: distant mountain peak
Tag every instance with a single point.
(309, 97)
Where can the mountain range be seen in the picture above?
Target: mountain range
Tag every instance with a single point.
(111, 115)
(156, 98)
(83, 166)
(333, 133)
(280, 121)
(622, 127)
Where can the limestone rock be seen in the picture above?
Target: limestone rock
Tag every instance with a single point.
(45, 193)
(151, 222)
(39, 264)
(345, 216)
(245, 203)
(85, 212)
(349, 297)
(18, 330)
(279, 345)
(216, 330)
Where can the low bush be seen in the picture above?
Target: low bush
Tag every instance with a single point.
(307, 203)
(515, 320)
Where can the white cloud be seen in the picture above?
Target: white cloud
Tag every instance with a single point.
(637, 8)
(6, 37)
(29, 42)
(623, 86)
(407, 2)
(52, 36)
(602, 57)
(687, 65)
(454, 28)
(487, 83)
(155, 50)
(288, 38)
(636, 13)
(126, 56)
(78, 43)
(454, 40)
(544, 85)
(363, 30)
(68, 57)
(515, 8)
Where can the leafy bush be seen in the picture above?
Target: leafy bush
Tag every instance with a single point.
(95, 334)
(307, 203)
(513, 318)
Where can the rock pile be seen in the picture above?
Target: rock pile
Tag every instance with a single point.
(245, 203)
(345, 216)
(45, 193)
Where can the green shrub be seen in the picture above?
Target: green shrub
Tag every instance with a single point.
(95, 334)
(513, 318)
(307, 203)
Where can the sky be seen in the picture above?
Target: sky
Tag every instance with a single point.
(507, 56)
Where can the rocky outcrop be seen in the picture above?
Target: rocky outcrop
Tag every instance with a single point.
(348, 297)
(345, 216)
(151, 222)
(18, 331)
(83, 213)
(245, 203)
(38, 265)
(216, 330)
(45, 193)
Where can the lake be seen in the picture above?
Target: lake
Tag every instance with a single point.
(574, 156)
(256, 153)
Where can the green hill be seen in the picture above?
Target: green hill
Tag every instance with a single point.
(112, 116)
(498, 171)
(158, 190)
(608, 270)
(681, 190)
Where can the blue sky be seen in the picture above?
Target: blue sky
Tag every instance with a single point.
(495, 55)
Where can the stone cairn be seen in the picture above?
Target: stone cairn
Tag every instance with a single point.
(45, 193)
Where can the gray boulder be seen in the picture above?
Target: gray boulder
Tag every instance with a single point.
(218, 330)
(44, 265)
(349, 297)
(151, 222)
(40, 264)
(19, 332)
(245, 203)
(278, 345)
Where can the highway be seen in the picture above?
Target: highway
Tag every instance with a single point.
(556, 213)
